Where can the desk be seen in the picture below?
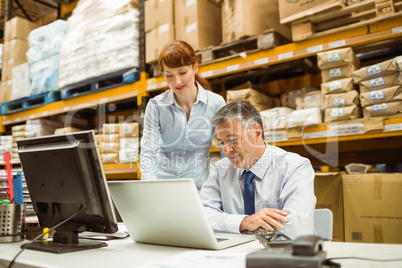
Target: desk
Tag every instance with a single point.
(126, 253)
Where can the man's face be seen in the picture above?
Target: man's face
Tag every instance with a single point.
(241, 147)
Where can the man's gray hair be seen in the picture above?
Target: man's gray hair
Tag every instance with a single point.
(241, 111)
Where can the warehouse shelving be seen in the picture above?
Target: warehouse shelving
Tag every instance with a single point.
(382, 30)
(125, 92)
(386, 29)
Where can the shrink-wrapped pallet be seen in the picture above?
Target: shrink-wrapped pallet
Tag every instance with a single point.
(43, 56)
(102, 37)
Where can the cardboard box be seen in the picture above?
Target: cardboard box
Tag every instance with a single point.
(381, 82)
(337, 73)
(66, 130)
(21, 83)
(18, 128)
(328, 190)
(110, 128)
(18, 134)
(302, 29)
(127, 156)
(109, 138)
(15, 49)
(371, 208)
(18, 28)
(109, 148)
(198, 23)
(381, 96)
(384, 7)
(342, 113)
(336, 58)
(248, 92)
(338, 86)
(293, 10)
(129, 130)
(6, 87)
(112, 158)
(129, 144)
(383, 68)
(157, 13)
(342, 99)
(246, 18)
(382, 109)
(156, 40)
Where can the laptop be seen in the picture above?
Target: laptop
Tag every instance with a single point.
(168, 212)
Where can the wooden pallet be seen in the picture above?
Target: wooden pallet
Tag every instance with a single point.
(29, 102)
(237, 48)
(345, 18)
(247, 44)
(103, 82)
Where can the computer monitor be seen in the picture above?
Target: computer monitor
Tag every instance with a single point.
(64, 175)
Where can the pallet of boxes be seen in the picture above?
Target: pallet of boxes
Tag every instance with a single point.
(341, 99)
(15, 69)
(380, 88)
(119, 143)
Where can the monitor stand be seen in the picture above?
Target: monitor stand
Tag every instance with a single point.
(65, 240)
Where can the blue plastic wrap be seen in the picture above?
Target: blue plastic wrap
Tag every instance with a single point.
(46, 40)
(46, 82)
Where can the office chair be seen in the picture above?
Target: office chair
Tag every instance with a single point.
(323, 223)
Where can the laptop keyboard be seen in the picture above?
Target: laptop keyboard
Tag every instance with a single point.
(221, 239)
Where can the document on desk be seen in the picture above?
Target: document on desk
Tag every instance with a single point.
(201, 259)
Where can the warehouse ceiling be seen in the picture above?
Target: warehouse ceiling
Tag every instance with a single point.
(33, 10)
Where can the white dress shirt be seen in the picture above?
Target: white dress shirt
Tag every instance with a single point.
(171, 146)
(283, 180)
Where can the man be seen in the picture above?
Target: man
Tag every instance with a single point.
(281, 192)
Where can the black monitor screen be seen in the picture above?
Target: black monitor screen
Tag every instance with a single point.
(64, 176)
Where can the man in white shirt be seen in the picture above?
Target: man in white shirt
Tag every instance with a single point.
(281, 192)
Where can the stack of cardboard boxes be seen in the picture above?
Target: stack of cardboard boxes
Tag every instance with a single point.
(247, 18)
(341, 100)
(207, 23)
(196, 22)
(363, 206)
(380, 88)
(159, 27)
(119, 143)
(15, 48)
(129, 142)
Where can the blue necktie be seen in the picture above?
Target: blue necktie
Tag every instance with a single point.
(248, 194)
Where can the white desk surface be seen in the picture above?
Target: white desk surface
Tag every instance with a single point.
(125, 253)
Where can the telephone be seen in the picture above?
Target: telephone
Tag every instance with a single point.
(305, 251)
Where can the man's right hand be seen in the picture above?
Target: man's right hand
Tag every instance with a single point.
(265, 218)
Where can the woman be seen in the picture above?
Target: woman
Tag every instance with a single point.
(177, 133)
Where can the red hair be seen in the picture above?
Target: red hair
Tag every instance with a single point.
(178, 53)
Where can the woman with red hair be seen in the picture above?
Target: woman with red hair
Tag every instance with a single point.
(177, 133)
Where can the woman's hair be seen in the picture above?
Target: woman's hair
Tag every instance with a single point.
(178, 53)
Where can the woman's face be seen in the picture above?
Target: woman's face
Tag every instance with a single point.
(182, 79)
